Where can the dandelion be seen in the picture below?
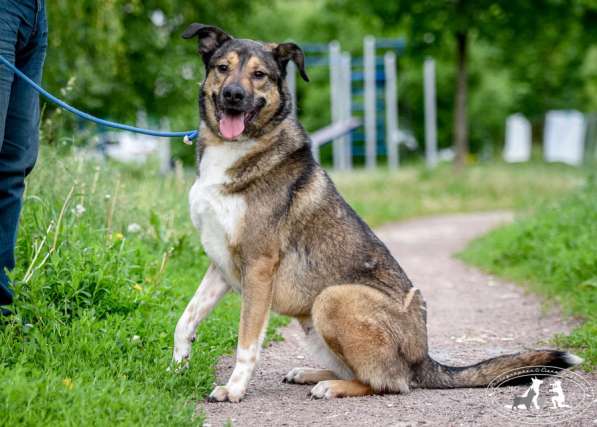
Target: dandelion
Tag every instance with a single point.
(79, 210)
(138, 287)
(117, 237)
(133, 228)
(68, 383)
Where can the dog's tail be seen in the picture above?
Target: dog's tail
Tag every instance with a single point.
(432, 374)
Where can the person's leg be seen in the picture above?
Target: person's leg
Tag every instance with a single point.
(18, 151)
(9, 28)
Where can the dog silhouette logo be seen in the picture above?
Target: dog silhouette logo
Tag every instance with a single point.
(559, 398)
(550, 395)
(530, 398)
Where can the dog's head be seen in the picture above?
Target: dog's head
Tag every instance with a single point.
(244, 94)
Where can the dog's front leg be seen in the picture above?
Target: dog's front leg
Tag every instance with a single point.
(255, 307)
(211, 289)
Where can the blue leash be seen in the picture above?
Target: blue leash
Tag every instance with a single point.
(188, 136)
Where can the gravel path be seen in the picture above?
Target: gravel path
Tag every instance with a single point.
(471, 316)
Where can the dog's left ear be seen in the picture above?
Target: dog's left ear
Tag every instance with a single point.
(285, 52)
(210, 39)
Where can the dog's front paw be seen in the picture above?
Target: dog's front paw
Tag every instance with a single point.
(224, 393)
(181, 354)
(178, 366)
(180, 360)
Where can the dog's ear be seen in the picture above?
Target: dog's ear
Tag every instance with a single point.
(210, 38)
(285, 52)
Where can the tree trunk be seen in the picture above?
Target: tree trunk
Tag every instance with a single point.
(460, 101)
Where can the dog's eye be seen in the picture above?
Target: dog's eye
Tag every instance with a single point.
(258, 75)
(222, 68)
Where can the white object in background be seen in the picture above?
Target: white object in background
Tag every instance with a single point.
(430, 113)
(391, 110)
(333, 131)
(370, 102)
(518, 139)
(336, 99)
(346, 107)
(564, 137)
(132, 148)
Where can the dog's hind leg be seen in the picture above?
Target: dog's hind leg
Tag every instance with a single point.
(308, 376)
(372, 335)
(340, 388)
(211, 289)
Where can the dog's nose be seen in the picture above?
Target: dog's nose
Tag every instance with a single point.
(234, 93)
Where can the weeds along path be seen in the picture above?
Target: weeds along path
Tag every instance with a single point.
(471, 316)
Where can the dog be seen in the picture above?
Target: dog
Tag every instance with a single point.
(530, 398)
(278, 232)
(559, 399)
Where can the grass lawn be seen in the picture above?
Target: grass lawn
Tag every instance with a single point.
(108, 258)
(383, 196)
(554, 250)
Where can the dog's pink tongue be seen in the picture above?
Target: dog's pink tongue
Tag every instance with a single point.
(231, 126)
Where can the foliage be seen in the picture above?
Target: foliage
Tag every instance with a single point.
(534, 48)
(108, 260)
(124, 56)
(554, 250)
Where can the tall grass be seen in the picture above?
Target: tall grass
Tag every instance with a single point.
(107, 261)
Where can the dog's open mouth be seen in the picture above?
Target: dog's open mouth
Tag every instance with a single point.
(232, 123)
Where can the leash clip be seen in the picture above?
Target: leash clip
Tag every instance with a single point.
(189, 137)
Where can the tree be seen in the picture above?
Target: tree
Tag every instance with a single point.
(128, 55)
(433, 25)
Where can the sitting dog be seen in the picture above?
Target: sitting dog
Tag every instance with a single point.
(277, 231)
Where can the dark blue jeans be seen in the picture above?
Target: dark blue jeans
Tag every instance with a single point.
(23, 41)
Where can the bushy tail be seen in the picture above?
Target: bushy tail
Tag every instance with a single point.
(432, 374)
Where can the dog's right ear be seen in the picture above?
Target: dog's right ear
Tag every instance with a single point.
(210, 39)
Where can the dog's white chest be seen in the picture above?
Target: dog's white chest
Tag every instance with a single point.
(216, 214)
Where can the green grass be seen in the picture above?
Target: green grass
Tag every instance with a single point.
(554, 250)
(384, 196)
(100, 302)
(97, 304)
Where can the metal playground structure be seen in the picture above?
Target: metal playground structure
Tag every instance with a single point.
(363, 102)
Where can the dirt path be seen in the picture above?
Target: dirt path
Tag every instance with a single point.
(471, 316)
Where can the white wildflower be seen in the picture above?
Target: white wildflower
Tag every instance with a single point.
(133, 228)
(79, 209)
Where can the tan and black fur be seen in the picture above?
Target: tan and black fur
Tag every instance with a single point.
(299, 249)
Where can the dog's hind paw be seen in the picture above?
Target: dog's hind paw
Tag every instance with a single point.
(322, 390)
(295, 376)
(308, 376)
